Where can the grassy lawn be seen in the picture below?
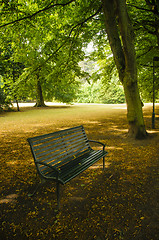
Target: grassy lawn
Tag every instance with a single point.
(119, 203)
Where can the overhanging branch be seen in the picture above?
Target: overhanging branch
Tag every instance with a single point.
(69, 35)
(153, 10)
(36, 13)
(140, 8)
(143, 54)
(72, 29)
(86, 20)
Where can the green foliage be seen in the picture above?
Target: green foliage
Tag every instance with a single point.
(98, 93)
(48, 38)
(50, 43)
(101, 84)
(50, 51)
(10, 70)
(2, 99)
(114, 95)
(145, 21)
(5, 102)
(89, 93)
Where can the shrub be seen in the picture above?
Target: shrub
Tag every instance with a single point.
(97, 93)
(5, 103)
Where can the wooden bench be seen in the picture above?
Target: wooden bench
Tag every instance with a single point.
(62, 155)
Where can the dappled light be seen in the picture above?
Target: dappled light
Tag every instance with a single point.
(114, 148)
(97, 166)
(153, 131)
(123, 106)
(120, 201)
(12, 162)
(9, 198)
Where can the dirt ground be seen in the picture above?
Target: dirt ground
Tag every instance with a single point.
(118, 203)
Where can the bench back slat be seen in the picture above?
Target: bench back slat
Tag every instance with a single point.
(55, 157)
(54, 143)
(59, 147)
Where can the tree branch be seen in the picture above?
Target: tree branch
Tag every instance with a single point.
(79, 24)
(36, 13)
(153, 10)
(87, 19)
(69, 35)
(109, 9)
(145, 25)
(143, 54)
(140, 8)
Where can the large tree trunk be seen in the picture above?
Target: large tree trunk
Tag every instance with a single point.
(39, 95)
(134, 109)
(121, 39)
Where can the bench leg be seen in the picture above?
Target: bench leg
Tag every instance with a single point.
(103, 163)
(36, 188)
(58, 194)
(42, 181)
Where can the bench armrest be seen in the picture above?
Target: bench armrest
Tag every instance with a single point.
(47, 165)
(98, 143)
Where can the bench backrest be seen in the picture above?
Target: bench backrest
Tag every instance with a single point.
(59, 147)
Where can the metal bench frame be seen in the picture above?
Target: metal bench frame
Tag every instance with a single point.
(61, 156)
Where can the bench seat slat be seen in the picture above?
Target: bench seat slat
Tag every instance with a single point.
(70, 171)
(65, 159)
(84, 160)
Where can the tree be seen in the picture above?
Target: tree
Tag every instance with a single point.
(121, 38)
(10, 70)
(145, 18)
(4, 101)
(47, 50)
(82, 21)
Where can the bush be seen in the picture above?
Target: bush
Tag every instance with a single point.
(4, 101)
(89, 93)
(97, 93)
(114, 95)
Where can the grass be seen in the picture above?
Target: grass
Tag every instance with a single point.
(120, 203)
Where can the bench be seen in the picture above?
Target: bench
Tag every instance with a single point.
(62, 155)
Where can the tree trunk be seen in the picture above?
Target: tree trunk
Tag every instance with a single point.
(18, 109)
(121, 39)
(39, 95)
(134, 109)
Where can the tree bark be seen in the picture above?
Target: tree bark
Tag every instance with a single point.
(18, 109)
(121, 39)
(39, 95)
